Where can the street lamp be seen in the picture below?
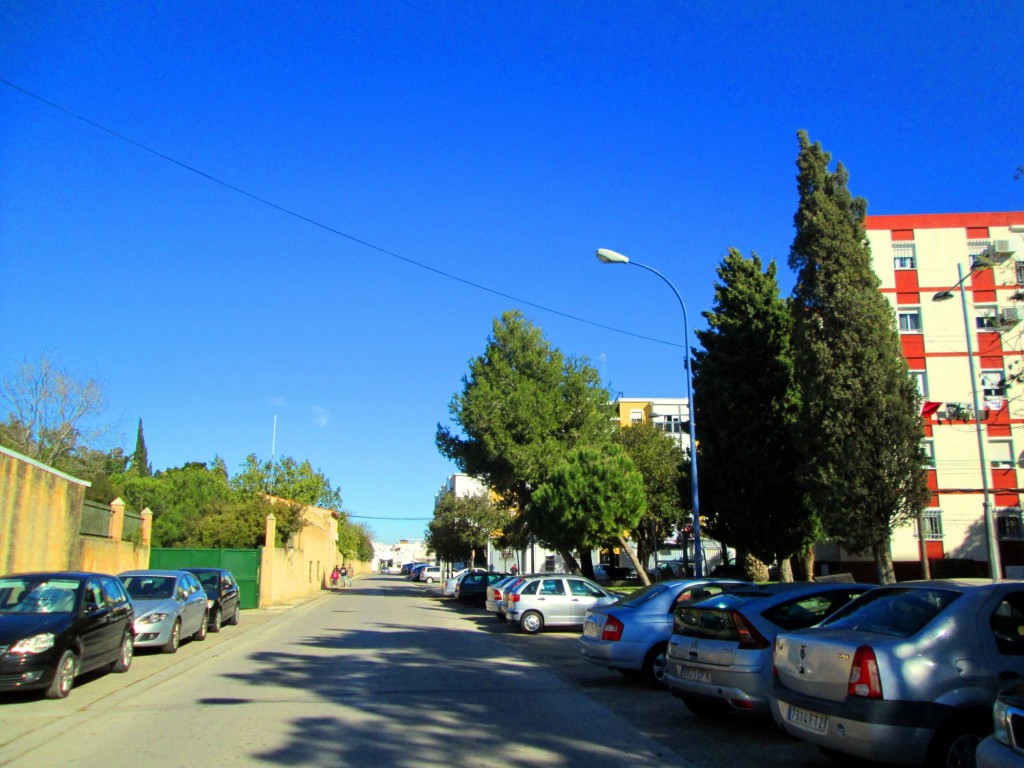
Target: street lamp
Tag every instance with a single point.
(990, 528)
(606, 256)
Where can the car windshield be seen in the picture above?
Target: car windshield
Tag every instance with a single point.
(149, 587)
(209, 580)
(900, 612)
(36, 596)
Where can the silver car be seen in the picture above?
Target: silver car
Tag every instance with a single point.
(495, 602)
(631, 635)
(906, 674)
(169, 606)
(720, 654)
(554, 600)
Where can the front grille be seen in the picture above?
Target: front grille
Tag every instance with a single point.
(1016, 718)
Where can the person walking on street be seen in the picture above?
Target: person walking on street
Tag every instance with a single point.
(335, 575)
(344, 576)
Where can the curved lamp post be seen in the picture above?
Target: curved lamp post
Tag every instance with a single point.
(606, 256)
(990, 528)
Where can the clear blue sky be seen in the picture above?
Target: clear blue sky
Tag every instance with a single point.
(497, 142)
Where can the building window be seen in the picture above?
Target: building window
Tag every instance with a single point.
(976, 248)
(670, 424)
(932, 525)
(1008, 523)
(904, 255)
(993, 384)
(928, 447)
(1020, 272)
(985, 318)
(636, 416)
(1000, 454)
(549, 564)
(922, 382)
(910, 320)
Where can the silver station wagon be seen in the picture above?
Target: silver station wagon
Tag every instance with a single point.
(907, 674)
(554, 601)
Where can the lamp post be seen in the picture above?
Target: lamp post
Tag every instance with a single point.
(606, 256)
(990, 528)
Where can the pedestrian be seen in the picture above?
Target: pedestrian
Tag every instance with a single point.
(345, 580)
(515, 569)
(335, 575)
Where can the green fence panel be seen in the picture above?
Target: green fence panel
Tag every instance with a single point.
(244, 564)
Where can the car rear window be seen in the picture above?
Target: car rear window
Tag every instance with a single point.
(900, 612)
(809, 610)
(708, 622)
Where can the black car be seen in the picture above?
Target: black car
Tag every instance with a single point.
(473, 587)
(222, 595)
(57, 625)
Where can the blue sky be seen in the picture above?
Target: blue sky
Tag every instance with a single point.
(500, 143)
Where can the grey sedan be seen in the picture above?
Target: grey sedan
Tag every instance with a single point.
(631, 635)
(169, 606)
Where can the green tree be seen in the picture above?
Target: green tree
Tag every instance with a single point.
(747, 400)
(660, 462)
(592, 498)
(140, 458)
(462, 525)
(524, 405)
(860, 417)
(288, 479)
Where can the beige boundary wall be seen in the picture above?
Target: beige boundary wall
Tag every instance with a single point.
(41, 520)
(304, 566)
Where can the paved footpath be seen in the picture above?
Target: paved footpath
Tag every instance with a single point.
(379, 674)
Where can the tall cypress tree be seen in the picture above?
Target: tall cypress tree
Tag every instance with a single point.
(140, 458)
(860, 416)
(748, 404)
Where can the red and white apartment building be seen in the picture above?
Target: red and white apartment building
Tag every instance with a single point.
(973, 425)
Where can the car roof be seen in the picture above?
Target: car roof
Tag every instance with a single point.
(53, 574)
(144, 572)
(743, 595)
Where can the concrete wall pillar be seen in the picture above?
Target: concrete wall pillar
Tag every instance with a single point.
(147, 526)
(116, 519)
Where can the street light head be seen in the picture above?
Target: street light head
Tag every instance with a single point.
(943, 296)
(606, 256)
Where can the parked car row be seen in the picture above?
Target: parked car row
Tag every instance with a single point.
(55, 626)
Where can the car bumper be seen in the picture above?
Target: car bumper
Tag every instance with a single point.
(993, 754)
(880, 731)
(616, 655)
(744, 688)
(25, 671)
(152, 635)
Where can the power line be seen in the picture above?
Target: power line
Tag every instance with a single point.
(321, 225)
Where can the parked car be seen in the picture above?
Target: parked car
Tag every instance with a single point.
(169, 606)
(223, 597)
(667, 570)
(1004, 748)
(414, 572)
(407, 568)
(631, 635)
(604, 572)
(495, 602)
(452, 581)
(720, 653)
(473, 587)
(554, 600)
(908, 673)
(429, 574)
(57, 625)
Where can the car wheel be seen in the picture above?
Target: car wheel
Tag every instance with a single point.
(654, 666)
(702, 706)
(954, 745)
(200, 634)
(123, 662)
(171, 646)
(233, 621)
(430, 580)
(215, 620)
(531, 622)
(64, 676)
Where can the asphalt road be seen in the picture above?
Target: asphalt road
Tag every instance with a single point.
(385, 673)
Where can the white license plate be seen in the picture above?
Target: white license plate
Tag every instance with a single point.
(698, 675)
(590, 629)
(808, 721)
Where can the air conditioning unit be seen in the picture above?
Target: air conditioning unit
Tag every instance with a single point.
(1010, 316)
(999, 251)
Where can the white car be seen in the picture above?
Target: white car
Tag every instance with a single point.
(430, 574)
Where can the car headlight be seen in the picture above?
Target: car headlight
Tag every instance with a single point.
(153, 618)
(36, 644)
(1001, 723)
(209, 603)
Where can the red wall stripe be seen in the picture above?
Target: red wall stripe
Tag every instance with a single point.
(944, 220)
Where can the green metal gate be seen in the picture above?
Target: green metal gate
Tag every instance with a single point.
(244, 564)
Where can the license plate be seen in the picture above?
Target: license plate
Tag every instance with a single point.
(696, 674)
(808, 721)
(590, 629)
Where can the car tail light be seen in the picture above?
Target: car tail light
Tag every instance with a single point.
(612, 629)
(864, 680)
(515, 598)
(750, 638)
(497, 595)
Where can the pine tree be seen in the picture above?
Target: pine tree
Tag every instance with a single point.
(140, 458)
(860, 416)
(747, 400)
